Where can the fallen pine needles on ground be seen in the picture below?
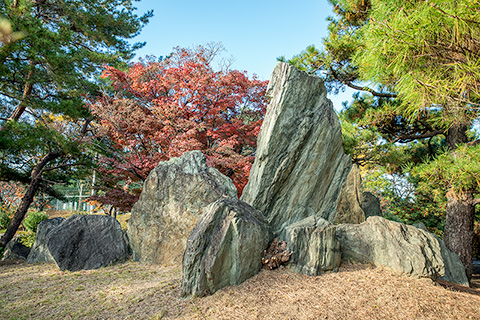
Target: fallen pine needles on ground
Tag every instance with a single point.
(144, 291)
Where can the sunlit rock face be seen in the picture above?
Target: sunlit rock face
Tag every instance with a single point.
(300, 168)
(173, 198)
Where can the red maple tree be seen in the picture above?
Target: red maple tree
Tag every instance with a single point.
(159, 110)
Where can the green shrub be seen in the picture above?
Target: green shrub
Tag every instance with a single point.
(4, 219)
(27, 238)
(82, 213)
(32, 220)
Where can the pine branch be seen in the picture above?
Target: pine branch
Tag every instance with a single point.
(411, 137)
(360, 88)
(451, 15)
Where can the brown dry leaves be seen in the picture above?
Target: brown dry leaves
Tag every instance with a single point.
(144, 291)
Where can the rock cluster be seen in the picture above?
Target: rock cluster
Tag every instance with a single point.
(303, 189)
(313, 198)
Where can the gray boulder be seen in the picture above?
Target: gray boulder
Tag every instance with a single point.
(300, 168)
(420, 225)
(15, 250)
(173, 198)
(402, 248)
(371, 205)
(87, 242)
(225, 247)
(314, 246)
(39, 251)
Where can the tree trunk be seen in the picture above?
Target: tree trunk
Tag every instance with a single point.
(22, 106)
(458, 234)
(460, 215)
(28, 197)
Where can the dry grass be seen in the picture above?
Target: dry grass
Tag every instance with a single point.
(144, 291)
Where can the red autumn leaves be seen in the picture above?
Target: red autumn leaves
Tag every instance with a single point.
(158, 110)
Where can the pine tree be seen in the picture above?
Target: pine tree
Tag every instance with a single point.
(420, 60)
(45, 78)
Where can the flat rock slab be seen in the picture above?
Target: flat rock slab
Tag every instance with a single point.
(84, 242)
(402, 248)
(173, 198)
(39, 252)
(225, 247)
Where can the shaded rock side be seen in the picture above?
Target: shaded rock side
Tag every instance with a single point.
(225, 247)
(371, 205)
(173, 198)
(402, 248)
(87, 242)
(314, 246)
(15, 250)
(349, 203)
(39, 251)
(300, 167)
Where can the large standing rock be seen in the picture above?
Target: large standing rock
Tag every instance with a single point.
(314, 246)
(404, 249)
(39, 251)
(87, 242)
(225, 247)
(300, 168)
(172, 200)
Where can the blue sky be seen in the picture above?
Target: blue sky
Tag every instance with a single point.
(254, 33)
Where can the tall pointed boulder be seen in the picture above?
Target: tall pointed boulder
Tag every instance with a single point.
(300, 168)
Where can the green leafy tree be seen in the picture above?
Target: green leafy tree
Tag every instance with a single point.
(417, 63)
(45, 78)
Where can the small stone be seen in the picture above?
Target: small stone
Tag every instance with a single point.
(314, 246)
(371, 205)
(16, 250)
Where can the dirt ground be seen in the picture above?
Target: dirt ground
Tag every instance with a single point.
(144, 291)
